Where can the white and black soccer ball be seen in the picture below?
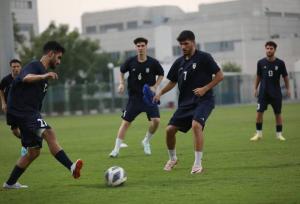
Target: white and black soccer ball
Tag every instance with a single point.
(115, 176)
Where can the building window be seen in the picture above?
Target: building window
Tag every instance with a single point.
(130, 53)
(147, 22)
(222, 46)
(132, 25)
(26, 27)
(90, 29)
(21, 4)
(114, 55)
(111, 27)
(176, 50)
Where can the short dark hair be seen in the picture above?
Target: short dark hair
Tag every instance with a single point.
(272, 44)
(186, 35)
(53, 46)
(140, 39)
(14, 61)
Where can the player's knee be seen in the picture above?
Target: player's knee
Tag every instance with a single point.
(170, 129)
(33, 154)
(197, 125)
(155, 121)
(16, 132)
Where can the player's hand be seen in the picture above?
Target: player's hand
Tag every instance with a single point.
(200, 91)
(4, 107)
(156, 98)
(288, 92)
(121, 88)
(51, 75)
(255, 93)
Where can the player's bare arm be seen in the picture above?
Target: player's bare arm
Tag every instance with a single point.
(287, 85)
(202, 90)
(121, 87)
(3, 103)
(170, 85)
(256, 83)
(30, 78)
(158, 81)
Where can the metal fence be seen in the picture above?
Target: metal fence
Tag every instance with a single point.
(102, 98)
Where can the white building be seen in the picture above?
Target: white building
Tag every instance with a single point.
(233, 31)
(26, 15)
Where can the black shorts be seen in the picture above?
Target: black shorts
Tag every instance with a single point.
(135, 106)
(183, 117)
(29, 126)
(263, 101)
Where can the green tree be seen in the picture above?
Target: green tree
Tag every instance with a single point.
(231, 67)
(81, 62)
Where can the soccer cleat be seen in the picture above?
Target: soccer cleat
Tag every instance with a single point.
(197, 170)
(256, 137)
(14, 186)
(114, 154)
(170, 165)
(76, 167)
(147, 148)
(123, 145)
(280, 137)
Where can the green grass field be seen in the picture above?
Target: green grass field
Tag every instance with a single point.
(236, 170)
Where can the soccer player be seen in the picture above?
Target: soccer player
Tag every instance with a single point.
(269, 70)
(5, 85)
(193, 72)
(24, 105)
(142, 70)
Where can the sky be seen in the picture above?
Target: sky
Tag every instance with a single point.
(70, 11)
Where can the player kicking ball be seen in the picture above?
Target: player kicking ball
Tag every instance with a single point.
(24, 105)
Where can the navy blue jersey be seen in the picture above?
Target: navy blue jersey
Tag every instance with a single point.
(191, 74)
(5, 85)
(141, 73)
(270, 72)
(26, 98)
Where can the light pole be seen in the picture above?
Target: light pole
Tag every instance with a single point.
(110, 67)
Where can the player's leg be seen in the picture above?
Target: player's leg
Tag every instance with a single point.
(24, 161)
(16, 132)
(198, 146)
(154, 120)
(261, 107)
(133, 109)
(57, 151)
(120, 138)
(201, 114)
(276, 105)
(171, 131)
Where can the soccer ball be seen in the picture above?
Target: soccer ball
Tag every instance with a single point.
(115, 176)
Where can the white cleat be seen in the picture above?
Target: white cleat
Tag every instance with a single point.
(280, 137)
(170, 165)
(197, 170)
(76, 167)
(147, 148)
(14, 186)
(256, 137)
(123, 145)
(114, 154)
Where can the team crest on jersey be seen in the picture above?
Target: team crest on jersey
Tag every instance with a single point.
(265, 67)
(147, 70)
(194, 65)
(276, 68)
(133, 69)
